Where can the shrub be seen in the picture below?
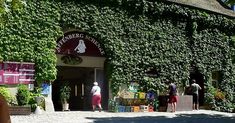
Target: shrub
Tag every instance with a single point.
(219, 96)
(209, 96)
(23, 95)
(5, 92)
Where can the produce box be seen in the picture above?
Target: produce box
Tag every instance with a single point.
(142, 95)
(127, 95)
(129, 109)
(144, 108)
(136, 108)
(121, 108)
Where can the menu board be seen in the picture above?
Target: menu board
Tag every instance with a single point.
(16, 72)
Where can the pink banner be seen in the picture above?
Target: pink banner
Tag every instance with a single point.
(16, 73)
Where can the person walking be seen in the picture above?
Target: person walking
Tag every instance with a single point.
(195, 88)
(96, 96)
(172, 96)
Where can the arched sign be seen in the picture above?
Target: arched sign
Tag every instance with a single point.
(78, 43)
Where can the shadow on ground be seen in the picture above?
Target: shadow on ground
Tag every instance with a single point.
(179, 118)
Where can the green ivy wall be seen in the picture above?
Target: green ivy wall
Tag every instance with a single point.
(137, 36)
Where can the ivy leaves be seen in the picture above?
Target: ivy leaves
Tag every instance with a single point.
(135, 42)
(153, 35)
(30, 36)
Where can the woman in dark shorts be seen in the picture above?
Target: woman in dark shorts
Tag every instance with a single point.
(173, 96)
(195, 92)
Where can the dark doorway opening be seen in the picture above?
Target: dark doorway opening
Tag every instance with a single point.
(199, 80)
(80, 80)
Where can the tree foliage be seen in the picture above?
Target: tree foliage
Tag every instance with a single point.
(230, 2)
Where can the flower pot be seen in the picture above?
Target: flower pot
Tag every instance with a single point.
(65, 107)
(38, 110)
(38, 100)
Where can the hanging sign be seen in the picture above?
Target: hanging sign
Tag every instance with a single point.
(16, 73)
(78, 43)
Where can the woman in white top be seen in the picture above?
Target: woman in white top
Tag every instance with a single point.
(96, 96)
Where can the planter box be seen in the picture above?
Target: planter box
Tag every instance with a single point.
(19, 110)
(162, 108)
(185, 103)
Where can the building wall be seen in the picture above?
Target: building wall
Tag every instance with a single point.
(162, 36)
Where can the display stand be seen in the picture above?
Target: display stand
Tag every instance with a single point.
(134, 102)
(132, 99)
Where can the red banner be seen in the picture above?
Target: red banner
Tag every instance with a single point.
(80, 44)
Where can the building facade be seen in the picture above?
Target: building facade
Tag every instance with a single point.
(116, 42)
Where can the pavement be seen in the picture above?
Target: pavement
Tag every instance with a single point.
(197, 116)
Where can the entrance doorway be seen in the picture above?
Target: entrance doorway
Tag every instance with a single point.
(80, 80)
(199, 80)
(80, 62)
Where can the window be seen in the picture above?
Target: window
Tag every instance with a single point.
(216, 78)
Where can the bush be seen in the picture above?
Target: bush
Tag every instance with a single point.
(5, 93)
(23, 95)
(219, 95)
(209, 96)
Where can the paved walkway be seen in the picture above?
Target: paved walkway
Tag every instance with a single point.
(201, 116)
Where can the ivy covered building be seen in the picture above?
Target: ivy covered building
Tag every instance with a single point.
(118, 41)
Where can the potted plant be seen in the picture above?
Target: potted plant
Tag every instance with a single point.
(37, 100)
(64, 96)
(37, 95)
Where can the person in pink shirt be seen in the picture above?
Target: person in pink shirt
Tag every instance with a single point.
(96, 96)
